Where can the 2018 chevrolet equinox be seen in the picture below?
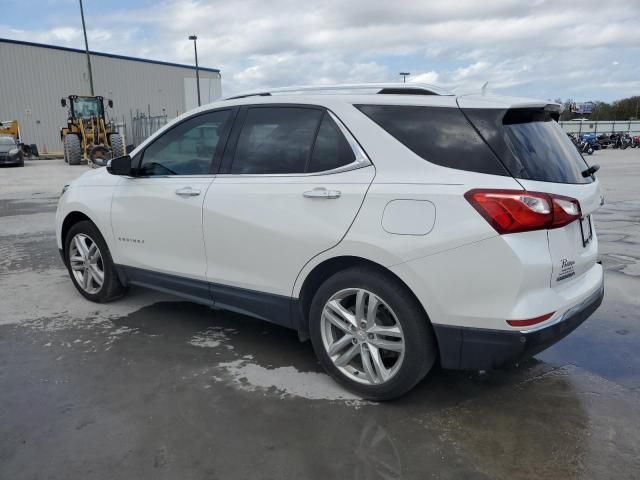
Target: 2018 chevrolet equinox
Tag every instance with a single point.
(393, 225)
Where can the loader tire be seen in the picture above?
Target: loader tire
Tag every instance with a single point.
(117, 145)
(72, 149)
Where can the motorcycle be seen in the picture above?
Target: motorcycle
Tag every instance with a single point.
(591, 140)
(582, 145)
(625, 141)
(605, 140)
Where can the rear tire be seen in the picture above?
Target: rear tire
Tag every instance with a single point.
(394, 348)
(90, 265)
(72, 149)
(117, 145)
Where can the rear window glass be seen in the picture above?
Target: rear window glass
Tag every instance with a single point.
(331, 149)
(439, 135)
(542, 149)
(276, 140)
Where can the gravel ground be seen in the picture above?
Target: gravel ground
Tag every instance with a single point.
(155, 387)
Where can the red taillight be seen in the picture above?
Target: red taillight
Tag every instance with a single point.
(530, 321)
(512, 211)
(565, 211)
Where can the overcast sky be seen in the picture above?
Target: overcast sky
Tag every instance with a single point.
(580, 49)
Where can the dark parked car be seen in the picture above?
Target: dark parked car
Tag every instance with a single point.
(10, 152)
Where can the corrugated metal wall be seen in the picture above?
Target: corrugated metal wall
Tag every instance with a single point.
(34, 79)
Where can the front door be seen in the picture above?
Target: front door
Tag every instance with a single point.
(157, 215)
(290, 187)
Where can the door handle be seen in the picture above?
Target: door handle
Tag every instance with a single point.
(187, 192)
(322, 192)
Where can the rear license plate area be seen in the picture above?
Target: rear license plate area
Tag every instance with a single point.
(586, 230)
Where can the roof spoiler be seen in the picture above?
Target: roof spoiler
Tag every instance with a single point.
(532, 114)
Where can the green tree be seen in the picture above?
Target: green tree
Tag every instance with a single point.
(624, 109)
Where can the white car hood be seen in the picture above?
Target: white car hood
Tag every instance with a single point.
(96, 177)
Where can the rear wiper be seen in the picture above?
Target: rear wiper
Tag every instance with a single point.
(591, 170)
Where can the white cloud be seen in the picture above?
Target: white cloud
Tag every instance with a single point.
(547, 48)
(426, 77)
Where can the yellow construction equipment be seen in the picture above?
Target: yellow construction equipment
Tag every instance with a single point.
(88, 136)
(11, 127)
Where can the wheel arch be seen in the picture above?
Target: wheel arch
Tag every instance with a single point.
(329, 267)
(70, 220)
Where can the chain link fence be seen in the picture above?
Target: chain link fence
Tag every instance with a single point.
(143, 126)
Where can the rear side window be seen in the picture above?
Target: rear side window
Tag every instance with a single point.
(331, 149)
(276, 140)
(541, 149)
(439, 135)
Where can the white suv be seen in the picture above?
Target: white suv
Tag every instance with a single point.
(393, 225)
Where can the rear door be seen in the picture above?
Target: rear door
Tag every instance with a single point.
(573, 248)
(541, 157)
(291, 184)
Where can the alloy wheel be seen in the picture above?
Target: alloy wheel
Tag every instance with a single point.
(85, 261)
(362, 336)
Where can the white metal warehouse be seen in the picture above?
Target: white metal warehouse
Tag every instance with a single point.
(34, 77)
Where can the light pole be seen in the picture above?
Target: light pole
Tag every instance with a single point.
(86, 48)
(195, 50)
(404, 76)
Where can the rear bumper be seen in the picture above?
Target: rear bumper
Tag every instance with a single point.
(464, 348)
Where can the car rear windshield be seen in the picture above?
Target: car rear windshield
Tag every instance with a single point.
(530, 143)
(440, 135)
(542, 149)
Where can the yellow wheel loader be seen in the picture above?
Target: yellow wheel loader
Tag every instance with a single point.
(88, 137)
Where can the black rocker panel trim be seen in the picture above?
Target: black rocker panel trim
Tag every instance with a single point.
(265, 306)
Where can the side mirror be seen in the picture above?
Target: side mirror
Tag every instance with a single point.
(119, 165)
(63, 102)
(110, 103)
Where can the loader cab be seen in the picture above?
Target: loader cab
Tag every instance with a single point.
(85, 107)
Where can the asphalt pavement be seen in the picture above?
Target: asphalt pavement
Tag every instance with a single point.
(155, 387)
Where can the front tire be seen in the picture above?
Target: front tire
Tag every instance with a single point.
(90, 265)
(371, 334)
(73, 149)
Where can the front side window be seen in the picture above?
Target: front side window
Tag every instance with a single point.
(186, 149)
(276, 140)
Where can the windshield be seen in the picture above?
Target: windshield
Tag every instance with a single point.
(87, 107)
(7, 141)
